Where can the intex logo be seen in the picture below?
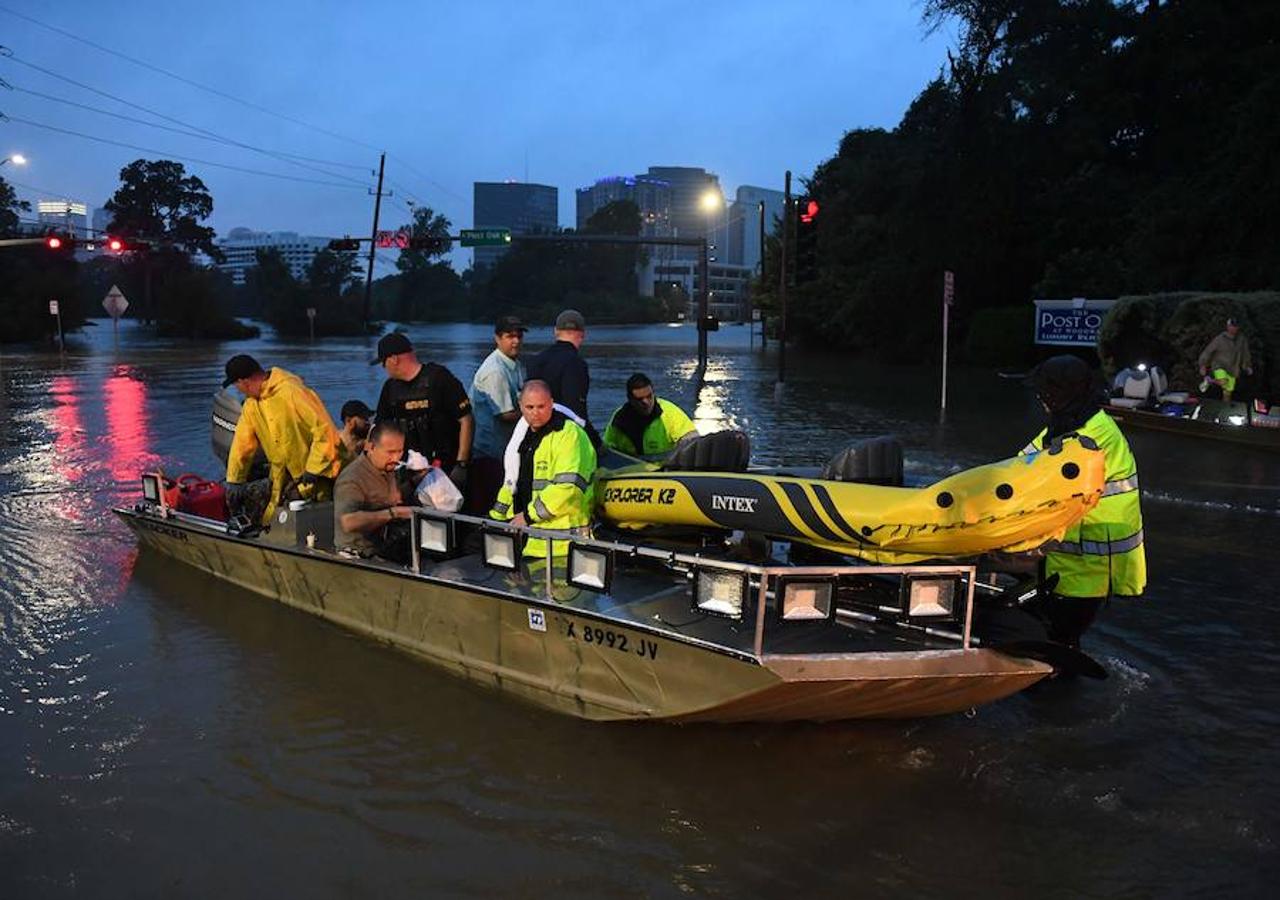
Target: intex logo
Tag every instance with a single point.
(733, 504)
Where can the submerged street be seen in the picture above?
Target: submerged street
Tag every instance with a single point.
(162, 733)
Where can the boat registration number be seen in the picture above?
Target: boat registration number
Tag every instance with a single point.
(613, 640)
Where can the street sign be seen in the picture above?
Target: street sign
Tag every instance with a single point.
(949, 288)
(114, 303)
(53, 307)
(311, 312)
(485, 237)
(390, 240)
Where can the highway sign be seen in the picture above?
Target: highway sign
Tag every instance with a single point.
(485, 237)
(114, 303)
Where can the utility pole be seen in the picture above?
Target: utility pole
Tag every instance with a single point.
(704, 310)
(763, 319)
(373, 239)
(782, 286)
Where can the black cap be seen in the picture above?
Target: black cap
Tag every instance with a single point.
(1232, 321)
(355, 408)
(570, 320)
(390, 345)
(509, 325)
(242, 365)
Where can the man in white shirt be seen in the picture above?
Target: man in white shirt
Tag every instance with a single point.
(495, 403)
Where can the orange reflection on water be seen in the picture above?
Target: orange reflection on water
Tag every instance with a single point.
(128, 438)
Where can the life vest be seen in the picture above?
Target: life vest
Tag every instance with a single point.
(561, 495)
(1103, 554)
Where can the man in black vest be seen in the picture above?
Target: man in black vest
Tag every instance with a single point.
(564, 370)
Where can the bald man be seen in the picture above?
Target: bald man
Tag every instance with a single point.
(553, 487)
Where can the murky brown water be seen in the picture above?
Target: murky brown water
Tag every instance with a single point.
(162, 734)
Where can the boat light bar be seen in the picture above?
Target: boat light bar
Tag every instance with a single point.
(719, 592)
(435, 533)
(153, 489)
(932, 598)
(501, 548)
(590, 567)
(806, 599)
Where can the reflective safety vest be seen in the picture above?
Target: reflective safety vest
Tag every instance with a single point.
(660, 433)
(1102, 554)
(562, 495)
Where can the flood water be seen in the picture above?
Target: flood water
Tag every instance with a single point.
(163, 734)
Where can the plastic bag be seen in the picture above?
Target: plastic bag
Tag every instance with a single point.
(437, 491)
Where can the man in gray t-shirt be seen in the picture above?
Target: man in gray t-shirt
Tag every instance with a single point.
(369, 514)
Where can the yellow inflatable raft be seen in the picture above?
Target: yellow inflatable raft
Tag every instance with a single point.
(1011, 506)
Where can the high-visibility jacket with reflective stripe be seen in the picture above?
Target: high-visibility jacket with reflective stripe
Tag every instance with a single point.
(659, 436)
(1103, 554)
(562, 494)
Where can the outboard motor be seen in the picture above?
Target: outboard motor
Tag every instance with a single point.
(226, 413)
(723, 451)
(876, 460)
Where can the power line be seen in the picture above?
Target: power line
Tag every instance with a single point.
(188, 81)
(9, 54)
(167, 154)
(184, 131)
(428, 179)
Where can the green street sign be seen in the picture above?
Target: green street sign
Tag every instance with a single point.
(485, 237)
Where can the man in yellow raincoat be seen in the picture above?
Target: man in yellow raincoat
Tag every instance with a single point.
(288, 422)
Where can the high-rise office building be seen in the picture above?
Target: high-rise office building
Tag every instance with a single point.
(522, 208)
(652, 196)
(101, 219)
(744, 223)
(64, 215)
(239, 249)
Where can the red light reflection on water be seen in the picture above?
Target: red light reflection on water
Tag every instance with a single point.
(128, 437)
(69, 440)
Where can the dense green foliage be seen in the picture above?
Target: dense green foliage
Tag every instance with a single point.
(330, 287)
(1170, 330)
(1070, 148)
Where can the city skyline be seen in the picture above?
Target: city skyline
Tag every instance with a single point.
(532, 92)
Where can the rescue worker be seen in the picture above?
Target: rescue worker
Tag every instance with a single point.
(355, 416)
(646, 425)
(1223, 359)
(1102, 555)
(495, 403)
(553, 488)
(564, 370)
(286, 419)
(429, 404)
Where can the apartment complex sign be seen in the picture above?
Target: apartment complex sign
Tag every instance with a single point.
(1070, 323)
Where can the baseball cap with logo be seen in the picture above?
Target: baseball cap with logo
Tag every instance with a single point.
(390, 345)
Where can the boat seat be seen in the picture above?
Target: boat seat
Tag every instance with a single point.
(876, 460)
(723, 451)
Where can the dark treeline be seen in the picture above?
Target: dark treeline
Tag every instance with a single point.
(1083, 148)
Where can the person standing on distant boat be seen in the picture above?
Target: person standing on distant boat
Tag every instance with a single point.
(1224, 358)
(646, 425)
(1102, 555)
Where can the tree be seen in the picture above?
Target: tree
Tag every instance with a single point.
(158, 201)
(10, 207)
(427, 223)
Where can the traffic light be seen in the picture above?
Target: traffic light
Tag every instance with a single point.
(58, 241)
(344, 244)
(431, 244)
(114, 244)
(806, 240)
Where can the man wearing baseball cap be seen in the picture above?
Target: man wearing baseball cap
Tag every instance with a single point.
(288, 422)
(1224, 358)
(356, 418)
(429, 404)
(495, 403)
(564, 370)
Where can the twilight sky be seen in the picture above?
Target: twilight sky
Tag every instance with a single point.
(566, 92)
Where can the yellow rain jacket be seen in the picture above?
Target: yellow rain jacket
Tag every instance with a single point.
(562, 495)
(1103, 554)
(294, 430)
(657, 435)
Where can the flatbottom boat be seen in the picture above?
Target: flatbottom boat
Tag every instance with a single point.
(624, 631)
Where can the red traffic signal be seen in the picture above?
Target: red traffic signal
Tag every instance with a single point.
(432, 244)
(344, 244)
(808, 211)
(115, 245)
(56, 242)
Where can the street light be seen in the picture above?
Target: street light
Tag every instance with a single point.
(17, 159)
